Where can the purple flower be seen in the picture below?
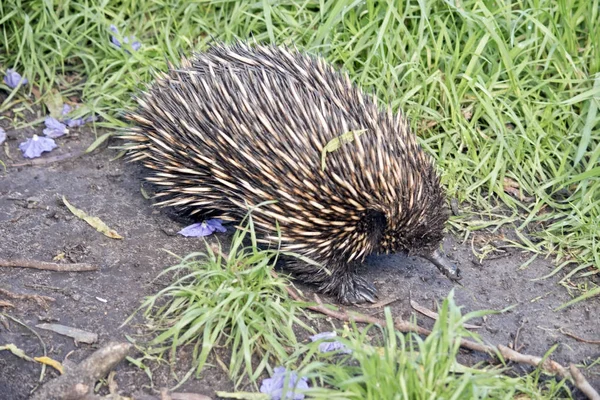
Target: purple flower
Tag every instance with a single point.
(13, 78)
(205, 228)
(66, 109)
(54, 128)
(73, 123)
(327, 346)
(274, 385)
(2, 135)
(135, 44)
(35, 146)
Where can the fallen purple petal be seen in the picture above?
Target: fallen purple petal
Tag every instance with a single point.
(216, 224)
(2, 135)
(35, 146)
(135, 44)
(66, 109)
(54, 128)
(13, 78)
(75, 122)
(274, 385)
(114, 39)
(326, 347)
(205, 228)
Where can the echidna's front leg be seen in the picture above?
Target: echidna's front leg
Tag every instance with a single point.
(349, 288)
(335, 280)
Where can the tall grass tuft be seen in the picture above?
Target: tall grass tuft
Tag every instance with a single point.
(228, 301)
(405, 366)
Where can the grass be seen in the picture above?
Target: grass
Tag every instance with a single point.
(500, 93)
(400, 366)
(226, 301)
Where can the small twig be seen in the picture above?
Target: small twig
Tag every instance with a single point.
(48, 265)
(53, 288)
(579, 339)
(435, 316)
(582, 384)
(164, 394)
(516, 340)
(49, 160)
(380, 304)
(39, 299)
(5, 304)
(548, 365)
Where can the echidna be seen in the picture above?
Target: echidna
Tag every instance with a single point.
(240, 125)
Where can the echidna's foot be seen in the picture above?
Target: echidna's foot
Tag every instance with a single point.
(350, 289)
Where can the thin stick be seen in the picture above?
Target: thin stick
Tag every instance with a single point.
(579, 339)
(78, 267)
(404, 326)
(582, 384)
(41, 300)
(380, 304)
(5, 304)
(49, 160)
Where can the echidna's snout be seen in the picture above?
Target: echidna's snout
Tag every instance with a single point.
(444, 265)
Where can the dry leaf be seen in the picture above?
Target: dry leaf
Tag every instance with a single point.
(16, 351)
(54, 102)
(79, 335)
(512, 187)
(49, 361)
(93, 221)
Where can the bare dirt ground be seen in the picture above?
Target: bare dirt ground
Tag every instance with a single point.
(34, 224)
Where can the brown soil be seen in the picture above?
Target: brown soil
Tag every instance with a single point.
(34, 224)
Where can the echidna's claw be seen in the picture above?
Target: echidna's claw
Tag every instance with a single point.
(357, 291)
(444, 265)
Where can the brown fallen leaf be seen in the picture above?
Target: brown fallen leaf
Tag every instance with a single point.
(468, 112)
(95, 222)
(512, 187)
(49, 361)
(36, 92)
(78, 335)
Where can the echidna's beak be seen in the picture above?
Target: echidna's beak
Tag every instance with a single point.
(444, 265)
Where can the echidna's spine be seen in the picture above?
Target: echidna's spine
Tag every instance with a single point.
(236, 126)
